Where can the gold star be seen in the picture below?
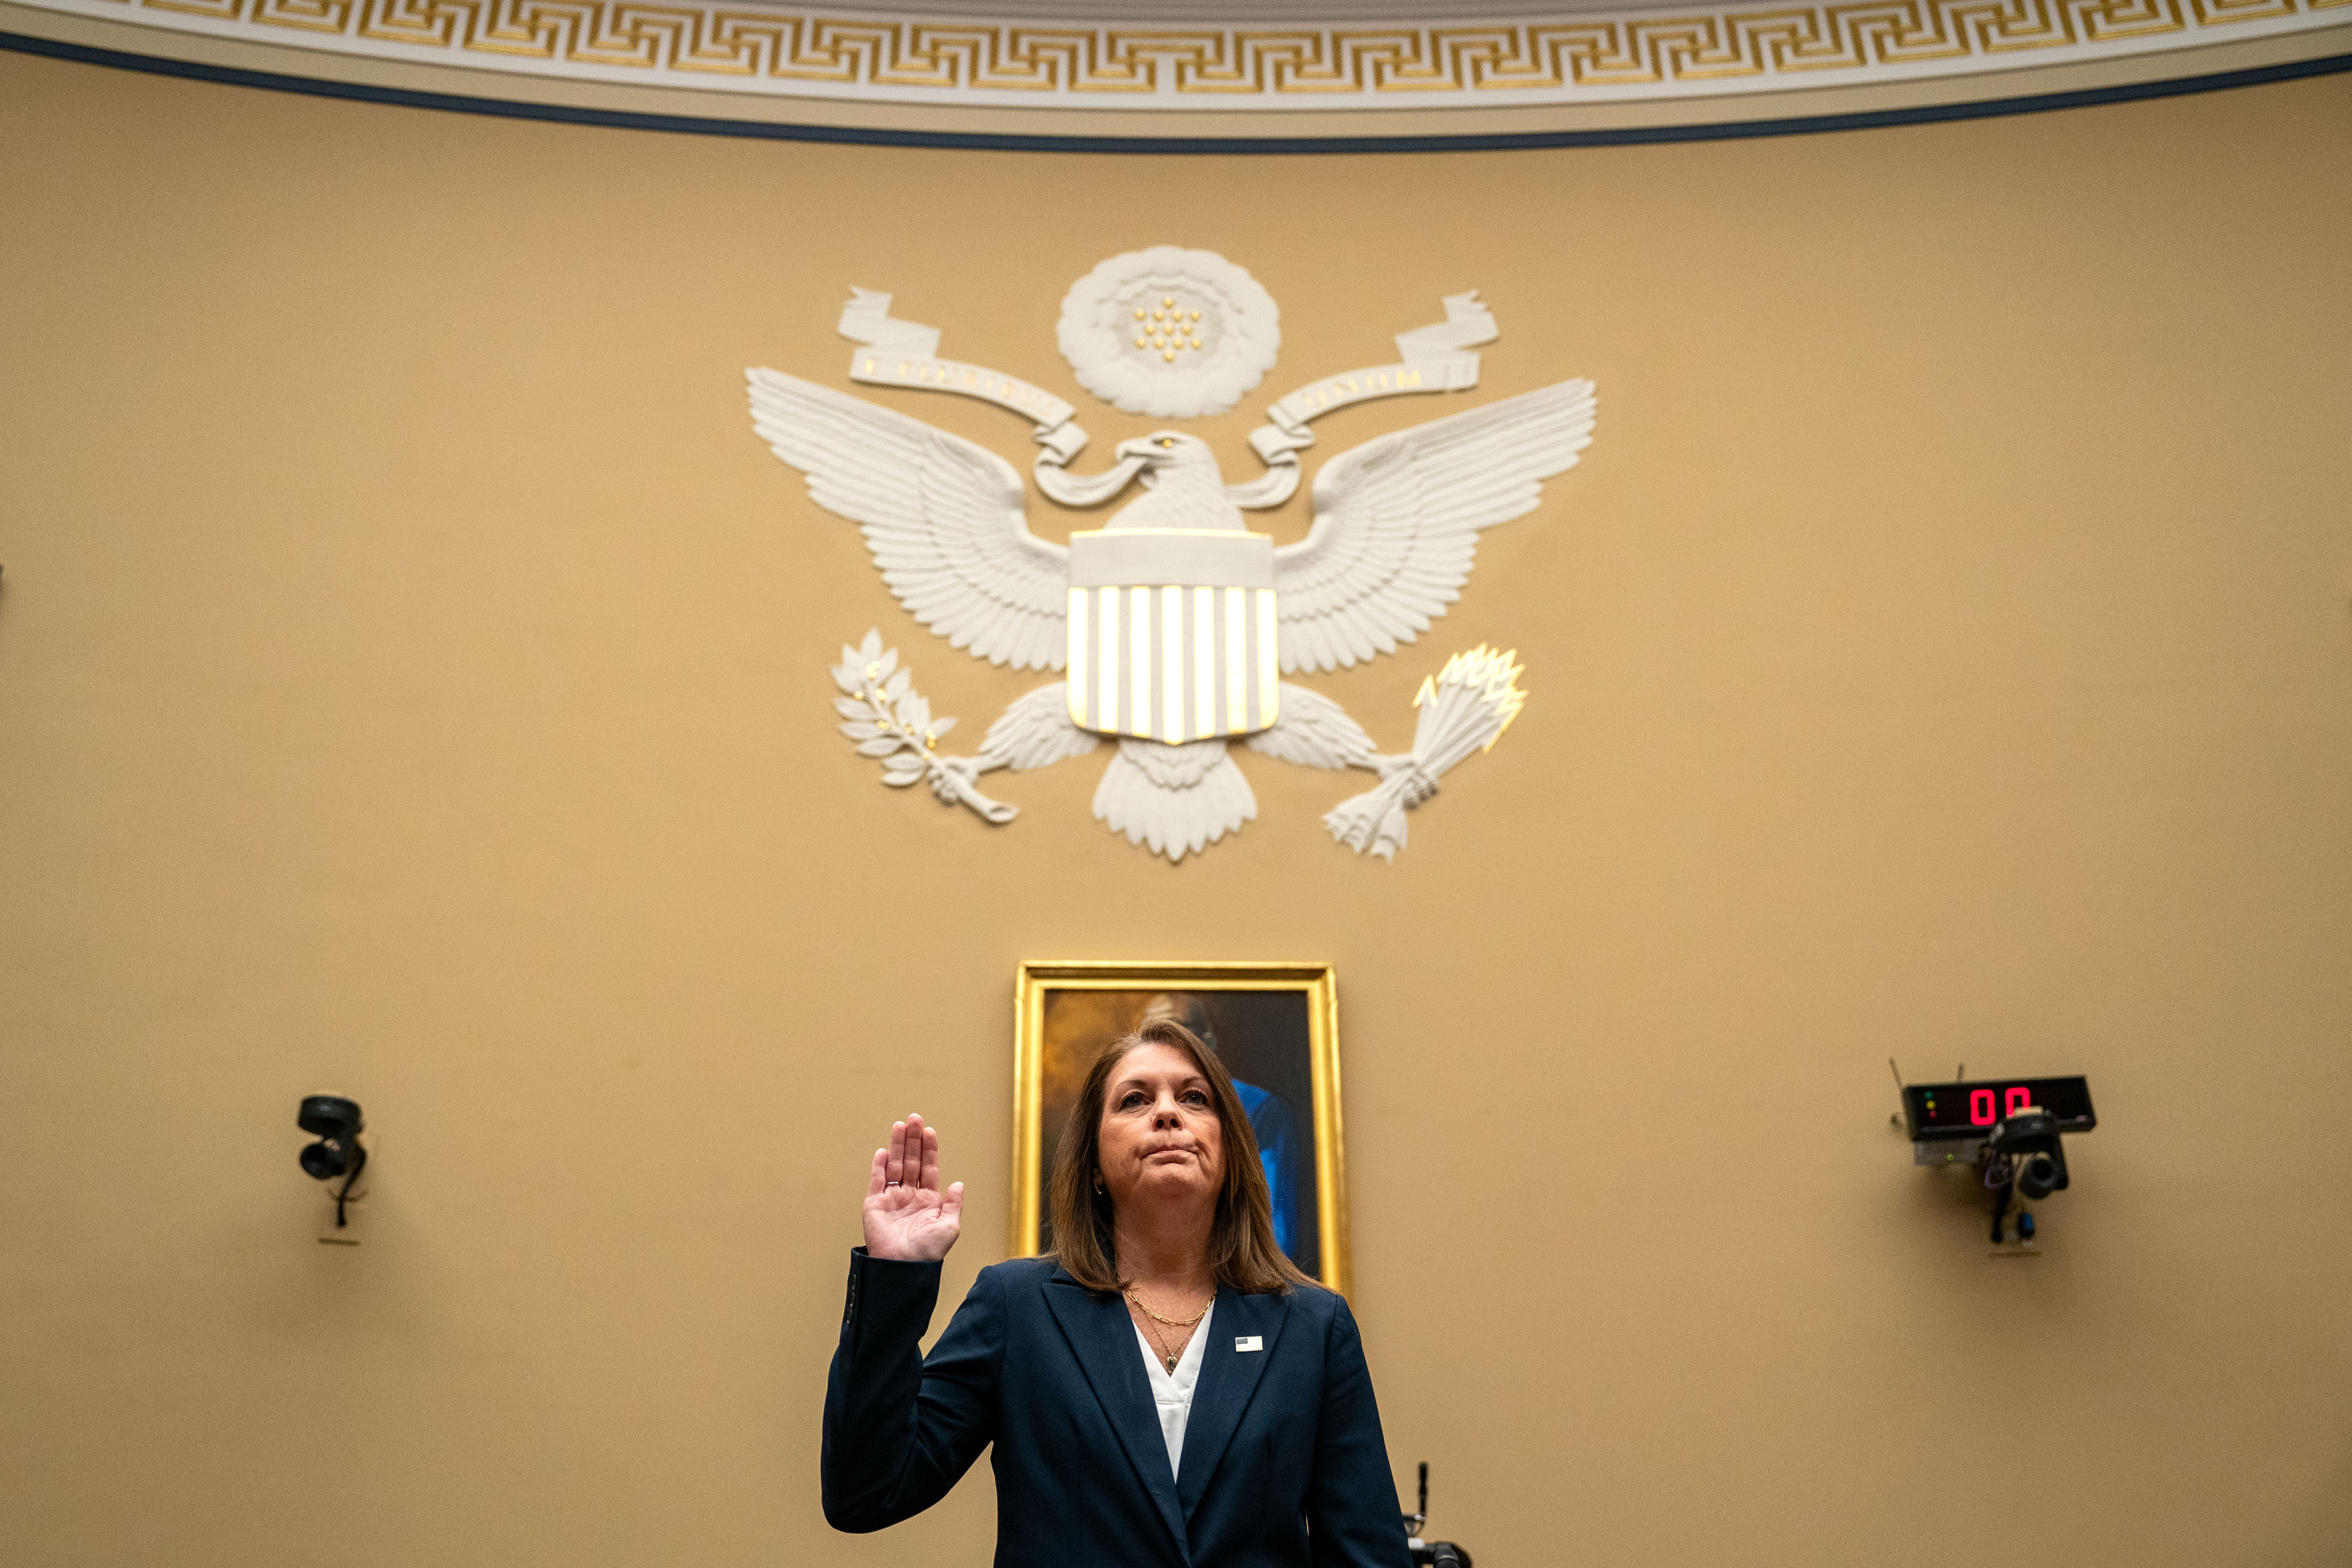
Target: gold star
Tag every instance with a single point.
(1171, 354)
(1170, 301)
(1196, 342)
(1139, 313)
(1140, 342)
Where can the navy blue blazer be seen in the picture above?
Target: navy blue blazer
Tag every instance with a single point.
(1283, 1462)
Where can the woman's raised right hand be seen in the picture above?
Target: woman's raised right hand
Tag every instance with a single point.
(907, 1215)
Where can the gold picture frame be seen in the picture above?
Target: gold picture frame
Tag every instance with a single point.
(1280, 1022)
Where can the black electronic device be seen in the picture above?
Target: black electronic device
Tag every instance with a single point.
(2037, 1156)
(1431, 1554)
(337, 1124)
(2010, 1130)
(1971, 1108)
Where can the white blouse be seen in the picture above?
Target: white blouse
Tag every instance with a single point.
(1172, 1390)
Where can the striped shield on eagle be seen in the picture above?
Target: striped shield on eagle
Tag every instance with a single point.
(1172, 635)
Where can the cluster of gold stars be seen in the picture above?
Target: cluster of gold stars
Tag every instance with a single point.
(1166, 328)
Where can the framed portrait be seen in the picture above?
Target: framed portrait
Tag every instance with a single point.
(1273, 1026)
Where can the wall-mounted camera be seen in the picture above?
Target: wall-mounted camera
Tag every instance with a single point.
(2010, 1130)
(337, 1124)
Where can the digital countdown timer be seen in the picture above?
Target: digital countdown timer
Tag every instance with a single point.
(1969, 1109)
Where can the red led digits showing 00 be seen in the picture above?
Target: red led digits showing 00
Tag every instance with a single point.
(2016, 1099)
(1979, 1108)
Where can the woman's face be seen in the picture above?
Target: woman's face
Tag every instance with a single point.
(1160, 1140)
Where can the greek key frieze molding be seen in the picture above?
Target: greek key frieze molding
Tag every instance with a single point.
(1724, 49)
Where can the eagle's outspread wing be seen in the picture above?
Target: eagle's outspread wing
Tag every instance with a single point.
(1397, 522)
(943, 517)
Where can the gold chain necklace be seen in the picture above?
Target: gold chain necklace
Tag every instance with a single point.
(1161, 1340)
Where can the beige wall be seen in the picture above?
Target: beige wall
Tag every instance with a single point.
(411, 683)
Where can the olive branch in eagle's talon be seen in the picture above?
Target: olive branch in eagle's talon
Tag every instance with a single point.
(890, 720)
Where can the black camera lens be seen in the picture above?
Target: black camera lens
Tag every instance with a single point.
(2037, 1177)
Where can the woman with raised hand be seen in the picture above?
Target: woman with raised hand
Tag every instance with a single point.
(1165, 1388)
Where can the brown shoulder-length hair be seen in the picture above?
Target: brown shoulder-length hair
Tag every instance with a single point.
(1242, 1251)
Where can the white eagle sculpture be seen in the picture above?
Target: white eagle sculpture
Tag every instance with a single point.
(1173, 621)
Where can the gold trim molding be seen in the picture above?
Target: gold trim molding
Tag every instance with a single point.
(782, 52)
